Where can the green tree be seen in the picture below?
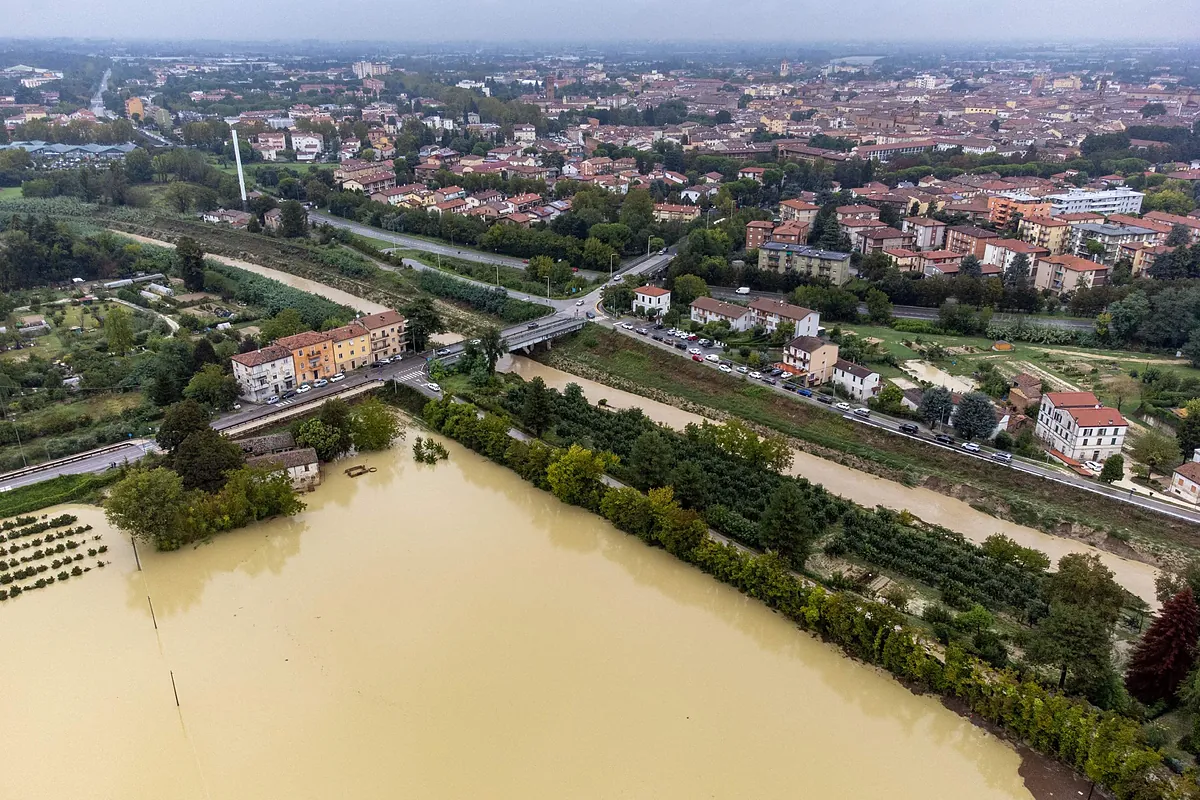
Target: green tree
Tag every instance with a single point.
(1114, 468)
(189, 261)
(637, 210)
(1188, 433)
(936, 405)
(879, 307)
(138, 167)
(976, 417)
(181, 421)
(118, 330)
(536, 412)
(493, 346)
(1073, 638)
(373, 425)
(970, 267)
(888, 401)
(148, 504)
(1157, 451)
(212, 387)
(286, 323)
(423, 321)
(204, 458)
(688, 288)
(170, 372)
(328, 442)
(787, 526)
(575, 476)
(293, 220)
(1167, 652)
(651, 460)
(629, 510)
(595, 255)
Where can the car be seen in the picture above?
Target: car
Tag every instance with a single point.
(712, 358)
(842, 406)
(743, 370)
(791, 387)
(662, 252)
(770, 381)
(725, 368)
(681, 345)
(1003, 458)
(442, 351)
(800, 390)
(433, 387)
(695, 351)
(319, 382)
(824, 398)
(658, 326)
(590, 314)
(692, 337)
(656, 337)
(289, 394)
(756, 375)
(531, 325)
(705, 343)
(237, 406)
(304, 389)
(341, 376)
(627, 326)
(641, 331)
(742, 290)
(970, 447)
(697, 357)
(862, 412)
(1093, 466)
(909, 428)
(273, 399)
(578, 302)
(942, 438)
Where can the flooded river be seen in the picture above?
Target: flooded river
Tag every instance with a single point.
(869, 490)
(450, 632)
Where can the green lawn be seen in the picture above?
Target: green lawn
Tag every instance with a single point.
(10, 193)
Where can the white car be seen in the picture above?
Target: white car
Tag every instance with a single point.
(237, 406)
(842, 406)
(339, 377)
(756, 375)
(862, 412)
(273, 399)
(433, 387)
(627, 326)
(970, 447)
(725, 368)
(319, 382)
(695, 351)
(578, 302)
(713, 357)
(1093, 466)
(743, 370)
(303, 389)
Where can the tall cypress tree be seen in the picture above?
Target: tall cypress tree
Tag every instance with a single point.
(1167, 652)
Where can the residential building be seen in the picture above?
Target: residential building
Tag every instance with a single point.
(705, 310)
(351, 346)
(308, 146)
(1063, 274)
(968, 239)
(856, 212)
(1052, 233)
(300, 465)
(1192, 223)
(876, 239)
(388, 331)
(1185, 480)
(928, 234)
(1142, 256)
(798, 211)
(757, 232)
(1002, 252)
(857, 381)
(267, 444)
(1107, 201)
(312, 353)
(1076, 425)
(1103, 242)
(811, 358)
(810, 261)
(370, 182)
(667, 212)
(1024, 391)
(796, 320)
(653, 301)
(937, 262)
(135, 108)
(264, 373)
(1003, 207)
(790, 233)
(524, 134)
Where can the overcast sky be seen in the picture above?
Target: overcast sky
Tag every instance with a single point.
(803, 21)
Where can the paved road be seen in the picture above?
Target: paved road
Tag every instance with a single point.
(916, 312)
(97, 104)
(96, 463)
(892, 425)
(414, 243)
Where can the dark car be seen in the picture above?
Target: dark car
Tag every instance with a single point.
(591, 315)
(287, 394)
(531, 325)
(909, 428)
(680, 345)
(825, 398)
(656, 337)
(791, 387)
(659, 326)
(775, 373)
(942, 438)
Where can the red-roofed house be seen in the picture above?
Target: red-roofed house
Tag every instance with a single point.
(264, 373)
(705, 310)
(653, 300)
(1063, 274)
(798, 211)
(797, 320)
(1185, 481)
(1002, 252)
(1076, 425)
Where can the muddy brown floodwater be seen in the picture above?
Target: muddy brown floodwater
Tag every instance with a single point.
(866, 489)
(450, 632)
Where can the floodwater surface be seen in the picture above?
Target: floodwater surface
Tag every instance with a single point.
(450, 632)
(866, 489)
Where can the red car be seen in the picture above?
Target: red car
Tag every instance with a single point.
(697, 358)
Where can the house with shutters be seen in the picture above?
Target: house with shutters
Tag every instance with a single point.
(1076, 425)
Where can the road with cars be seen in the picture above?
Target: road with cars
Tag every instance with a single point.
(102, 460)
(712, 356)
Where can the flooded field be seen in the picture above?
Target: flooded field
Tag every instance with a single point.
(450, 632)
(869, 490)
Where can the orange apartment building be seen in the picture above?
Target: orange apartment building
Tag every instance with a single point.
(312, 355)
(1002, 208)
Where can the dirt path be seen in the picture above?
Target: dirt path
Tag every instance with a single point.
(1177, 362)
(1054, 380)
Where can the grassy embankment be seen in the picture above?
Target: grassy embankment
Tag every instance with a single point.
(63, 489)
(631, 365)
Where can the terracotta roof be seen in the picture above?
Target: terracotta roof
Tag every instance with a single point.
(712, 306)
(800, 205)
(769, 306)
(381, 320)
(1073, 399)
(1045, 222)
(652, 291)
(347, 332)
(1189, 470)
(1075, 263)
(1097, 417)
(809, 344)
(971, 230)
(265, 355)
(760, 223)
(1018, 246)
(305, 339)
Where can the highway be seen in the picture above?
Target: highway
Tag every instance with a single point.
(924, 434)
(78, 464)
(97, 104)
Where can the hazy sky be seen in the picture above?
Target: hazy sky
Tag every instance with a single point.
(713, 20)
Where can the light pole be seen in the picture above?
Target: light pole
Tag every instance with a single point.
(547, 287)
(611, 256)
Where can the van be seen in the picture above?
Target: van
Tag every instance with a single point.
(742, 290)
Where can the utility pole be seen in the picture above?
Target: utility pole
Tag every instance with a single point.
(611, 256)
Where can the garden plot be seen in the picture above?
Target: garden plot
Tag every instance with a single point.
(928, 373)
(37, 553)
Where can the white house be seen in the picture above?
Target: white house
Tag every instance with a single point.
(264, 373)
(653, 300)
(706, 310)
(858, 381)
(1078, 426)
(300, 465)
(796, 320)
(308, 145)
(1185, 481)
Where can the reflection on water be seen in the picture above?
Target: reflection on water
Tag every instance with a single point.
(452, 632)
(869, 490)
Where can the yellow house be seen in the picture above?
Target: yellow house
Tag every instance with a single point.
(351, 346)
(133, 106)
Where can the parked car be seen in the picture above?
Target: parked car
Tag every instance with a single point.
(692, 337)
(775, 373)
(842, 406)
(756, 375)
(590, 314)
(319, 382)
(237, 406)
(712, 357)
(642, 331)
(800, 390)
(627, 326)
(304, 389)
(339, 377)
(695, 351)
(697, 357)
(681, 345)
(862, 411)
(658, 326)
(942, 438)
(433, 387)
(791, 387)
(290, 393)
(656, 337)
(743, 370)
(1093, 466)
(970, 447)
(1003, 458)
(824, 398)
(770, 381)
(725, 368)
(273, 399)
(442, 351)
(909, 428)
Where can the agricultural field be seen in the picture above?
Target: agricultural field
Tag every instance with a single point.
(36, 554)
